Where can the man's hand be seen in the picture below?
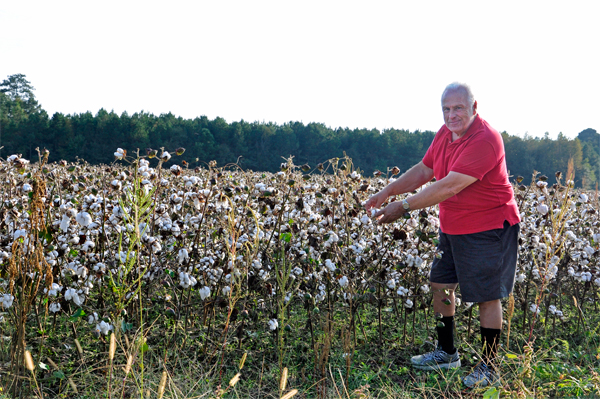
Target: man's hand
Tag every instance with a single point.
(390, 213)
(376, 200)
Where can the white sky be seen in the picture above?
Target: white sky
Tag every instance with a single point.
(534, 66)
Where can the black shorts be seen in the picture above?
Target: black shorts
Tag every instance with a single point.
(483, 264)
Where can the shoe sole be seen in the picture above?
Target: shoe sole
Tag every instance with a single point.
(483, 384)
(447, 366)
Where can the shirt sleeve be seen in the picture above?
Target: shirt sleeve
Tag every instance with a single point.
(478, 157)
(428, 157)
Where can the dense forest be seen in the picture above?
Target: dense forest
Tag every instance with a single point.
(24, 126)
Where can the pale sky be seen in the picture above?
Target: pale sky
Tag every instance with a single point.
(534, 66)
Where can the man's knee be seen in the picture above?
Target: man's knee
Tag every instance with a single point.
(489, 304)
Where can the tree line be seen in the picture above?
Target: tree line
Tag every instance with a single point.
(259, 146)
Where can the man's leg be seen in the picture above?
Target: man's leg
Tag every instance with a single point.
(490, 316)
(444, 304)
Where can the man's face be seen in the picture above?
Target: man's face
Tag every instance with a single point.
(458, 116)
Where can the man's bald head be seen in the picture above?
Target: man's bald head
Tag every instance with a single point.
(457, 87)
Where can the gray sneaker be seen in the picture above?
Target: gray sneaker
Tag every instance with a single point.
(482, 376)
(438, 359)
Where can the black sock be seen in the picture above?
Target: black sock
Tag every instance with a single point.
(446, 335)
(490, 338)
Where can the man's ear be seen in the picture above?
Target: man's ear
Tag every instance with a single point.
(475, 108)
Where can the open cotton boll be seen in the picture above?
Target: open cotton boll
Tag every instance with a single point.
(83, 218)
(6, 300)
(103, 327)
(204, 293)
(273, 324)
(343, 281)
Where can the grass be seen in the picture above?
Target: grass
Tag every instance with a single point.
(548, 368)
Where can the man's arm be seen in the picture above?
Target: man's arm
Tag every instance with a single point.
(439, 191)
(412, 179)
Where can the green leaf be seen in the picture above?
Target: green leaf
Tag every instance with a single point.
(126, 326)
(59, 374)
(79, 313)
(73, 253)
(287, 237)
(492, 393)
(144, 347)
(511, 356)
(43, 366)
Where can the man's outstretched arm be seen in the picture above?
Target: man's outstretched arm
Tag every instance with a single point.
(439, 191)
(412, 179)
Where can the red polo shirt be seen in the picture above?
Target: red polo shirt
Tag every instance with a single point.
(485, 204)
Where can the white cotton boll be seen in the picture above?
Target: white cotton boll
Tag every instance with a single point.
(204, 293)
(333, 237)
(542, 208)
(64, 223)
(589, 250)
(418, 261)
(330, 265)
(88, 245)
(54, 289)
(182, 256)
(54, 307)
(391, 284)
(99, 267)
(226, 290)
(596, 237)
(534, 308)
(402, 291)
(103, 327)
(408, 304)
(26, 188)
(425, 289)
(7, 300)
(583, 197)
(83, 218)
(69, 293)
(165, 156)
(156, 247)
(343, 281)
(520, 277)
(79, 299)
(273, 324)
(571, 236)
(120, 153)
(93, 318)
(19, 233)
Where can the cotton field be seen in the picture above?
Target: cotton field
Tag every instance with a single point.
(239, 258)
